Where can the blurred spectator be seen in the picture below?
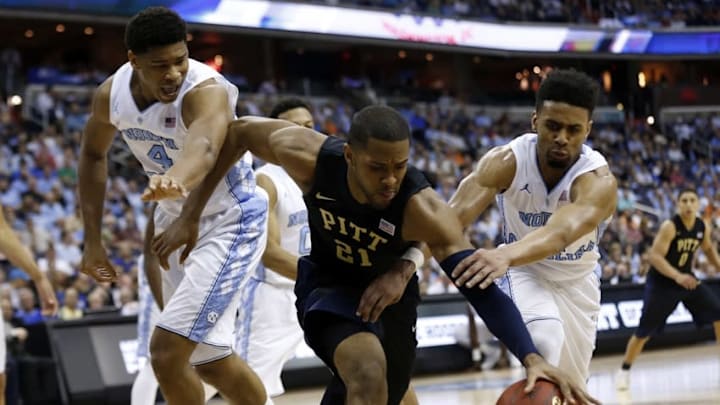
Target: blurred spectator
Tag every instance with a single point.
(71, 306)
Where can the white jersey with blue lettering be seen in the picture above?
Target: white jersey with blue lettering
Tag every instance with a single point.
(292, 218)
(527, 205)
(156, 135)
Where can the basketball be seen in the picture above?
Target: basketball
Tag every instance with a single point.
(544, 393)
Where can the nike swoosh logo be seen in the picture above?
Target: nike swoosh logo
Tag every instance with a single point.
(322, 197)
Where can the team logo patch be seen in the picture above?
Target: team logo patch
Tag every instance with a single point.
(170, 122)
(387, 227)
(212, 317)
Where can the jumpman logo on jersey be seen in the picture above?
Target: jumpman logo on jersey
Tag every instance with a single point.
(526, 188)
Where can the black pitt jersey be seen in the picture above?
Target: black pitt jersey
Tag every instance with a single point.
(352, 243)
(682, 248)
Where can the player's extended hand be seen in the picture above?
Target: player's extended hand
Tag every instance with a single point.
(163, 187)
(687, 281)
(385, 290)
(182, 231)
(537, 367)
(482, 267)
(96, 264)
(48, 303)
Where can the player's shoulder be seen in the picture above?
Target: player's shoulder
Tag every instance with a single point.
(668, 227)
(101, 100)
(104, 89)
(496, 168)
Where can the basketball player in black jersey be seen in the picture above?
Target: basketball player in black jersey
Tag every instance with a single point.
(671, 280)
(366, 206)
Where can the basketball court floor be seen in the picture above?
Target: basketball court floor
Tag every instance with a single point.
(688, 375)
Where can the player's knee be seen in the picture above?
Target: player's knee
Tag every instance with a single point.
(365, 378)
(549, 338)
(211, 374)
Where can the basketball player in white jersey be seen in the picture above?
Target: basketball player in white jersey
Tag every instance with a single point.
(173, 113)
(19, 255)
(555, 195)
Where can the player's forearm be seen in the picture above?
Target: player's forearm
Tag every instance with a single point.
(497, 310)
(536, 246)
(151, 265)
(92, 180)
(229, 154)
(280, 261)
(18, 254)
(198, 159)
(154, 278)
(545, 242)
(663, 266)
(713, 257)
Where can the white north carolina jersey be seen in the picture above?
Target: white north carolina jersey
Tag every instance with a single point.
(527, 205)
(157, 134)
(292, 221)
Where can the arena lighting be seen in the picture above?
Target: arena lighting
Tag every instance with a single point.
(650, 120)
(641, 80)
(14, 100)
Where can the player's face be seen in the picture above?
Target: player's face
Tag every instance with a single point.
(378, 169)
(562, 129)
(688, 204)
(161, 70)
(300, 116)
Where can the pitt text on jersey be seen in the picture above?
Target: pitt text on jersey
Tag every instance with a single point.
(345, 252)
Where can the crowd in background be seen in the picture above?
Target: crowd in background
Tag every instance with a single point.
(619, 13)
(38, 179)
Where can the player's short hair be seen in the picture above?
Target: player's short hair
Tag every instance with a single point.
(568, 86)
(687, 190)
(154, 27)
(288, 104)
(378, 122)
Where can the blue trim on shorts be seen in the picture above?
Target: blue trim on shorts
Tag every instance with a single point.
(252, 215)
(245, 328)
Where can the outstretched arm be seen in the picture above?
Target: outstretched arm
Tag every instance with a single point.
(593, 197)
(431, 220)
(20, 256)
(276, 141)
(492, 175)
